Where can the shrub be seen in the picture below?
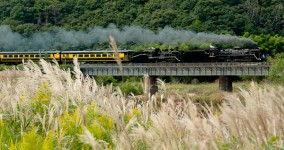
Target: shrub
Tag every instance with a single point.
(5, 67)
(276, 73)
(131, 87)
(105, 80)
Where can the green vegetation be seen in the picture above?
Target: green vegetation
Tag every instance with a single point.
(271, 44)
(260, 20)
(5, 67)
(276, 73)
(52, 107)
(128, 85)
(218, 16)
(48, 108)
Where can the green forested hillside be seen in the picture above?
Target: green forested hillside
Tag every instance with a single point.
(218, 16)
(234, 17)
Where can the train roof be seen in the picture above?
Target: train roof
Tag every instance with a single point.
(64, 52)
(96, 51)
(32, 52)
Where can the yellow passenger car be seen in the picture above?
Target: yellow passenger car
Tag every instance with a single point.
(64, 56)
(93, 56)
(18, 57)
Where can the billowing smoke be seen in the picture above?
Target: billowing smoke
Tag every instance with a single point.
(10, 40)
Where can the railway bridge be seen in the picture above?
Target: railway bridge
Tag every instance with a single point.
(224, 70)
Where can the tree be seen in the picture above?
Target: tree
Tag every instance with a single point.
(276, 73)
(253, 9)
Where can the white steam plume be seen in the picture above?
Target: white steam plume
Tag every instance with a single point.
(10, 40)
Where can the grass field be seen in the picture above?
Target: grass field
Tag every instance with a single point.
(44, 107)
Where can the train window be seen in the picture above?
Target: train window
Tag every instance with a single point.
(92, 55)
(20, 55)
(121, 55)
(26, 56)
(36, 55)
(5, 55)
(104, 55)
(86, 55)
(80, 55)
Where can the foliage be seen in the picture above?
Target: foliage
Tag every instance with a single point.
(66, 67)
(57, 110)
(219, 16)
(31, 140)
(129, 87)
(271, 44)
(105, 80)
(5, 67)
(260, 20)
(276, 73)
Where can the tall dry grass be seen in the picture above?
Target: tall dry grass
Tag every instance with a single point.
(115, 49)
(44, 107)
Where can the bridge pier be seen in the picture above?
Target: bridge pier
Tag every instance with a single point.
(153, 85)
(225, 83)
(150, 83)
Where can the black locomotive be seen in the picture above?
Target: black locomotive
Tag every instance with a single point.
(211, 54)
(153, 55)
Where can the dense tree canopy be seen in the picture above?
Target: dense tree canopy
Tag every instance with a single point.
(218, 16)
(235, 17)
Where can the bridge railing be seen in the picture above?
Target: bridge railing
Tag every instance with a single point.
(178, 69)
(180, 64)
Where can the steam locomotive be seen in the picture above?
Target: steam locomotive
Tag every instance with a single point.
(152, 55)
